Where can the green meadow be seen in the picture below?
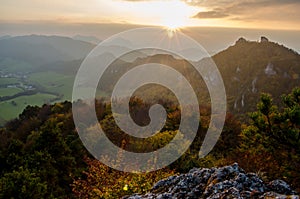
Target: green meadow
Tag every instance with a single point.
(9, 91)
(59, 84)
(11, 108)
(50, 87)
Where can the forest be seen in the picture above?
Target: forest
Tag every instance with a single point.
(42, 156)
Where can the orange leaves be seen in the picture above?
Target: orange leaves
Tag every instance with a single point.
(103, 182)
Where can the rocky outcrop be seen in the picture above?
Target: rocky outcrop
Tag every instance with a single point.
(264, 39)
(225, 182)
(241, 41)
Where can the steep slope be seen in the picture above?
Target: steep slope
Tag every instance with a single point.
(250, 68)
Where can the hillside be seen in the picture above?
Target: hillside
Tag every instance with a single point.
(89, 39)
(250, 68)
(39, 49)
(43, 69)
(42, 156)
(37, 69)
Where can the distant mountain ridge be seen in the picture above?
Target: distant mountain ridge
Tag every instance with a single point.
(39, 49)
(5, 37)
(89, 39)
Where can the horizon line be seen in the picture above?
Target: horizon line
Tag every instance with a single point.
(125, 23)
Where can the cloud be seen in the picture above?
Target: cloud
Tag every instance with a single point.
(218, 4)
(242, 3)
(240, 9)
(286, 11)
(210, 15)
(233, 7)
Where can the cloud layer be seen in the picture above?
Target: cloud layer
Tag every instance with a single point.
(245, 10)
(249, 9)
(274, 14)
(210, 15)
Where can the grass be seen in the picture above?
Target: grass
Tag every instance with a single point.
(12, 108)
(9, 91)
(46, 79)
(59, 84)
(54, 82)
(64, 87)
(49, 81)
(5, 81)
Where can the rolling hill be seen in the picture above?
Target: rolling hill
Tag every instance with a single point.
(37, 69)
(48, 65)
(248, 68)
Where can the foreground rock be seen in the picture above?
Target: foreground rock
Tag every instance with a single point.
(225, 182)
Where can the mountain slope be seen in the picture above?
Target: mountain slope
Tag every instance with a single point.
(89, 39)
(250, 68)
(39, 50)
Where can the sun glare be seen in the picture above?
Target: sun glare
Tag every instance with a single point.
(172, 29)
(173, 24)
(172, 14)
(176, 17)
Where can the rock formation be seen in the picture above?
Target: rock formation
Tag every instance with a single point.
(225, 182)
(264, 39)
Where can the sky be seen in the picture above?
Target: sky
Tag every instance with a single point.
(267, 14)
(216, 24)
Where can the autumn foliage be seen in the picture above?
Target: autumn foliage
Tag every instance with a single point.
(41, 155)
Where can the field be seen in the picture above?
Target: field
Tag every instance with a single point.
(5, 81)
(43, 87)
(52, 82)
(11, 108)
(9, 91)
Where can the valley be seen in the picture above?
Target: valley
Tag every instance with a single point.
(248, 68)
(39, 133)
(20, 89)
(150, 99)
(43, 74)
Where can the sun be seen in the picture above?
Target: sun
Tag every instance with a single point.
(172, 25)
(175, 16)
(171, 14)
(175, 19)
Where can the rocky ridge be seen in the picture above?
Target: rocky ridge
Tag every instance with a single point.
(224, 182)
